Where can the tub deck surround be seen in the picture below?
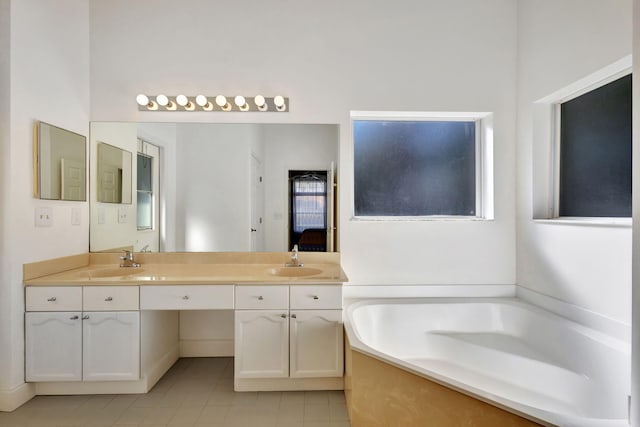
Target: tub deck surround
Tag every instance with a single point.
(183, 269)
(508, 353)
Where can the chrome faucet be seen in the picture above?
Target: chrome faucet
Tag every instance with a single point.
(127, 260)
(294, 258)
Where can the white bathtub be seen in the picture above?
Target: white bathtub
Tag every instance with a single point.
(503, 351)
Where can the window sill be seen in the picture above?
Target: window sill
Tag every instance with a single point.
(588, 221)
(419, 219)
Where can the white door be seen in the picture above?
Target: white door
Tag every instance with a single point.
(257, 205)
(53, 346)
(261, 344)
(110, 184)
(72, 180)
(111, 345)
(316, 343)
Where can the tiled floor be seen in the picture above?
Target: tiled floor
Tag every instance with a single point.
(195, 392)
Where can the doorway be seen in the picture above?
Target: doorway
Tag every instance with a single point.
(308, 210)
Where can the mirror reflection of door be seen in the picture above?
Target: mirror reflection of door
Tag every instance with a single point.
(110, 180)
(308, 210)
(257, 205)
(72, 179)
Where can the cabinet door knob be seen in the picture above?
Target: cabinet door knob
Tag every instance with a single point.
(108, 299)
(315, 297)
(284, 316)
(85, 317)
(186, 297)
(52, 299)
(260, 298)
(293, 316)
(74, 317)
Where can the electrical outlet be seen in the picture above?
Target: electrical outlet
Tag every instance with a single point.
(44, 217)
(123, 215)
(76, 216)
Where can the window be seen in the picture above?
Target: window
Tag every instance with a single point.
(594, 177)
(145, 192)
(431, 166)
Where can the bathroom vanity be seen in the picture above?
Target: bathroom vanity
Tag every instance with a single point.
(94, 327)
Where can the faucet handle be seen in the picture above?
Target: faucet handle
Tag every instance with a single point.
(127, 255)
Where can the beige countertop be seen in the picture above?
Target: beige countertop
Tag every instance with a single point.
(201, 269)
(194, 274)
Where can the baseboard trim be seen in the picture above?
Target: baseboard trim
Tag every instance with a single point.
(16, 397)
(288, 384)
(161, 366)
(206, 348)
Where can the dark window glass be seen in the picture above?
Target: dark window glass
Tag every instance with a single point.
(414, 168)
(144, 173)
(595, 152)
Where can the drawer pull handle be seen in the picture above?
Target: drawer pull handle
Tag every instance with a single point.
(315, 297)
(186, 297)
(284, 316)
(86, 317)
(74, 317)
(108, 299)
(293, 316)
(52, 299)
(260, 298)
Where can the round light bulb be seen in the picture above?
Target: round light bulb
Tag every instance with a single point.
(202, 100)
(182, 100)
(142, 100)
(239, 101)
(221, 100)
(259, 101)
(162, 100)
(278, 101)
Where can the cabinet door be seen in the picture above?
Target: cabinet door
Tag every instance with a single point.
(111, 345)
(53, 344)
(261, 344)
(316, 343)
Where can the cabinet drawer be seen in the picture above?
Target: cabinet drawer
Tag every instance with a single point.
(262, 297)
(186, 297)
(110, 298)
(53, 298)
(305, 297)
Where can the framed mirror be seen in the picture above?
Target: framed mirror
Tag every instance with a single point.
(114, 174)
(60, 163)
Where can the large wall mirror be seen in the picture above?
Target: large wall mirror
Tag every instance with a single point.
(60, 163)
(202, 187)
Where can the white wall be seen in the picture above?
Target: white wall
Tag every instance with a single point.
(329, 58)
(49, 77)
(559, 43)
(291, 147)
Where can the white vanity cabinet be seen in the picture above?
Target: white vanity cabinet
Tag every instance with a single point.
(287, 332)
(82, 345)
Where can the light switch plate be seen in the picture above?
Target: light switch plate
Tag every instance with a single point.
(44, 217)
(76, 216)
(123, 215)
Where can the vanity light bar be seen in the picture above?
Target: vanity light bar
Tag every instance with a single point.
(239, 103)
